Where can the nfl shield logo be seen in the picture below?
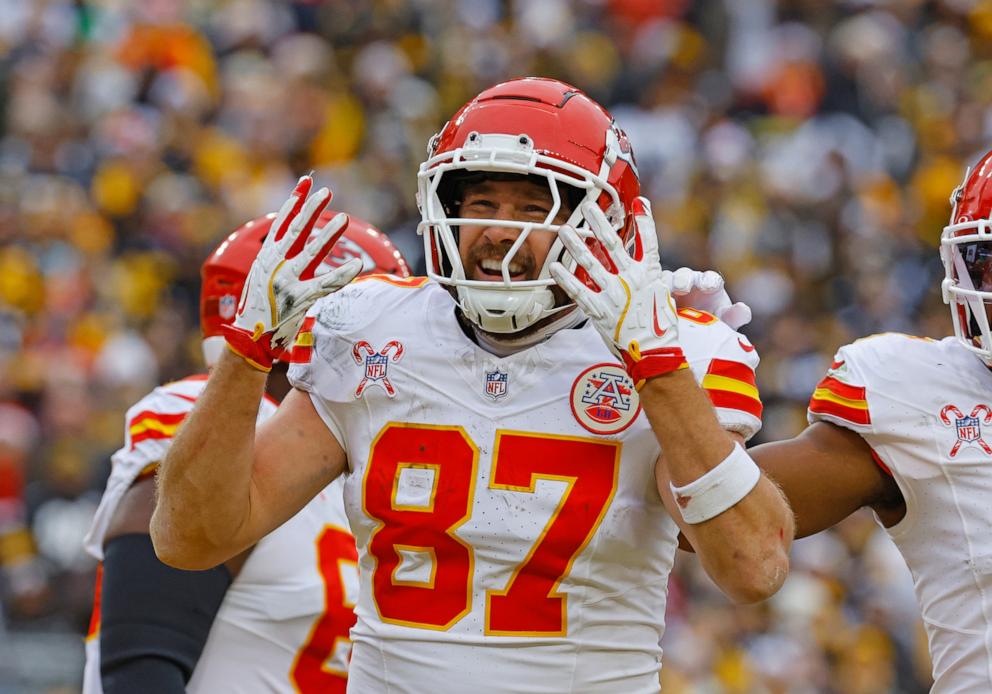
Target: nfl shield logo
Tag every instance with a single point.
(375, 366)
(226, 306)
(969, 429)
(496, 384)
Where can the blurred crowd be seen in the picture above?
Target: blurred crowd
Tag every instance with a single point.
(805, 149)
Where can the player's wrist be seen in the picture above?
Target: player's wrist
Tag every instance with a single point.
(660, 361)
(254, 347)
(719, 489)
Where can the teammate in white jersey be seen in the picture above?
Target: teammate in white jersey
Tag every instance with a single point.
(515, 517)
(903, 425)
(282, 624)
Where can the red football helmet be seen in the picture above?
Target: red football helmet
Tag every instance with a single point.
(550, 131)
(966, 249)
(224, 272)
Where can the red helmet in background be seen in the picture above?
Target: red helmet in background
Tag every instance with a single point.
(541, 128)
(966, 249)
(223, 274)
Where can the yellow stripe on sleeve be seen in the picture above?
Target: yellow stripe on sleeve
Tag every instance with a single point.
(830, 396)
(715, 382)
(153, 425)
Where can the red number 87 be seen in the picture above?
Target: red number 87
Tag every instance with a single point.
(530, 604)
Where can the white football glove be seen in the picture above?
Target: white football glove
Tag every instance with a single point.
(705, 290)
(281, 285)
(633, 309)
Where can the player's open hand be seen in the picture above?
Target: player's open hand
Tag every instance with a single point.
(281, 285)
(705, 290)
(631, 305)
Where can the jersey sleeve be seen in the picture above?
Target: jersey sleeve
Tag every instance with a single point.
(724, 363)
(326, 352)
(317, 356)
(841, 396)
(149, 427)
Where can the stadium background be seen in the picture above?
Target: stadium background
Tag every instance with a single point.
(805, 149)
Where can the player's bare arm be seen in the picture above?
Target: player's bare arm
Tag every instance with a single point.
(134, 516)
(743, 535)
(828, 472)
(222, 485)
(745, 548)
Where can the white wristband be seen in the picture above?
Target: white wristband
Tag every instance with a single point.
(719, 489)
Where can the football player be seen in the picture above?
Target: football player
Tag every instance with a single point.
(903, 425)
(275, 618)
(515, 516)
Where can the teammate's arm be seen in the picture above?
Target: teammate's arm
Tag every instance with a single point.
(741, 525)
(828, 472)
(222, 485)
(154, 620)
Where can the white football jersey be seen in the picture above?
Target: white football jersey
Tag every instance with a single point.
(511, 536)
(284, 621)
(925, 408)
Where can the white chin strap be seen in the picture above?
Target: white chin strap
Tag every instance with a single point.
(213, 347)
(505, 310)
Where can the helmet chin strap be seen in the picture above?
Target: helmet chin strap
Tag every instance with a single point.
(502, 311)
(505, 344)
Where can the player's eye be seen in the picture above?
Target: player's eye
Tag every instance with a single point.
(478, 204)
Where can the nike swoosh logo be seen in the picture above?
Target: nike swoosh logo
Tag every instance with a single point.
(745, 346)
(657, 328)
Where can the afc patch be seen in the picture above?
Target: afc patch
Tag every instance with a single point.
(496, 383)
(604, 400)
(376, 365)
(968, 429)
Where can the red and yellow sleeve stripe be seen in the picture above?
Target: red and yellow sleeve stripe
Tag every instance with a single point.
(153, 425)
(730, 384)
(303, 345)
(94, 629)
(841, 400)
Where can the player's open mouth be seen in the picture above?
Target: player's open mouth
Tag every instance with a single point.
(492, 269)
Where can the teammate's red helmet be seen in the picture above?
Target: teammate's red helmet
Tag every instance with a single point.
(541, 128)
(966, 249)
(224, 272)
